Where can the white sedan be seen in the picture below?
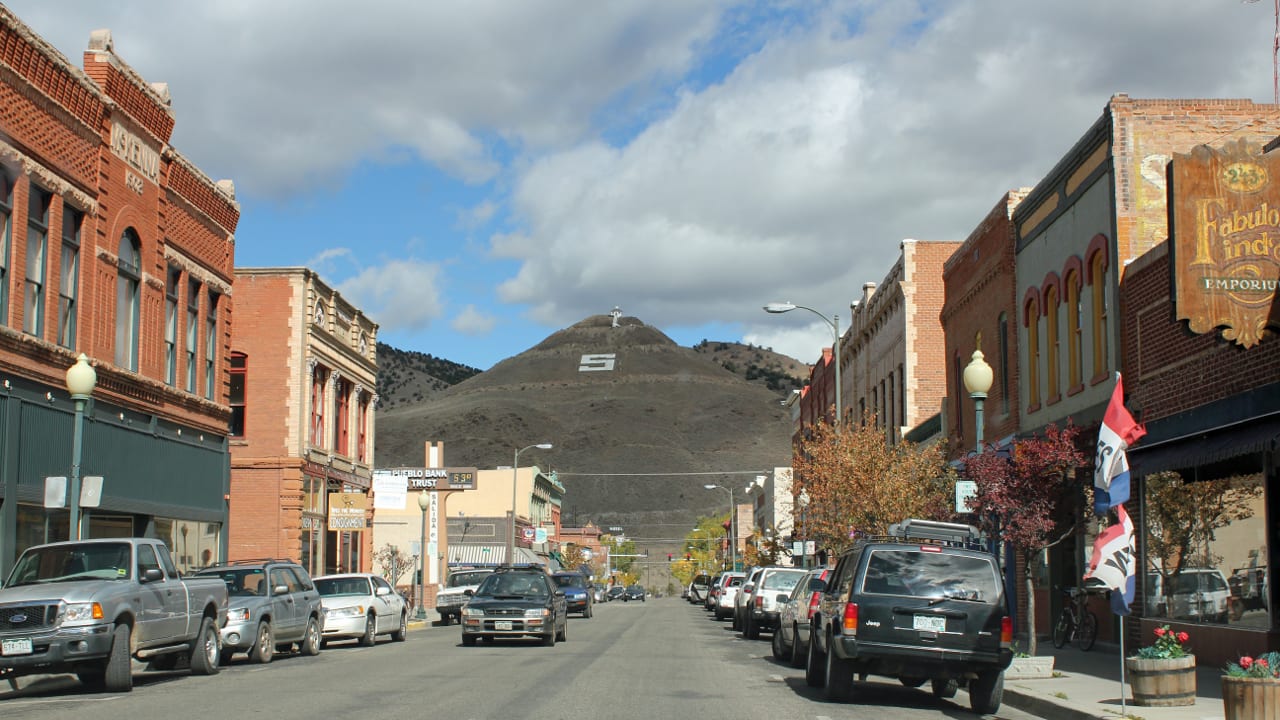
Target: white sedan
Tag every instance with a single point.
(360, 606)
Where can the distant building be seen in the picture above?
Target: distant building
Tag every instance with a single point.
(112, 245)
(303, 390)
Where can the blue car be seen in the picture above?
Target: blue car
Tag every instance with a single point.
(578, 594)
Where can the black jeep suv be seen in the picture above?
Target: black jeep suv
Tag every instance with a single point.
(925, 602)
(516, 601)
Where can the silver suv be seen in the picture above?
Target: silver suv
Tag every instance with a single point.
(273, 604)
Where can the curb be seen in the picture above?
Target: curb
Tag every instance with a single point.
(1052, 708)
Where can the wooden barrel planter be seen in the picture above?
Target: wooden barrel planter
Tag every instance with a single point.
(1162, 682)
(1246, 698)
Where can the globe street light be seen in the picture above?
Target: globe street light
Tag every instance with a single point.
(977, 380)
(424, 502)
(515, 466)
(81, 380)
(802, 500)
(733, 538)
(833, 322)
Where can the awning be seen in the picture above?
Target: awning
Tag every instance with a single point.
(488, 555)
(1254, 436)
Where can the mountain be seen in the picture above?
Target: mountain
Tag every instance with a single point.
(762, 365)
(639, 425)
(405, 376)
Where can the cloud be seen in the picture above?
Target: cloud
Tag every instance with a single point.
(399, 295)
(473, 322)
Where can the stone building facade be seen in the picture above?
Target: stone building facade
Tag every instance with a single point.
(115, 246)
(303, 369)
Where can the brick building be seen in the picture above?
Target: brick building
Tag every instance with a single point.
(303, 375)
(893, 354)
(112, 245)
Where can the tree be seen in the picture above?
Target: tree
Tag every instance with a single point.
(394, 563)
(856, 482)
(1017, 496)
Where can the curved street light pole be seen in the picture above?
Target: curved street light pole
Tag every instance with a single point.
(515, 481)
(833, 322)
(733, 538)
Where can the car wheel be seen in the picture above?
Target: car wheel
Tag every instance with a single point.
(204, 651)
(549, 640)
(753, 629)
(264, 645)
(370, 632)
(814, 668)
(399, 634)
(781, 652)
(469, 640)
(310, 644)
(797, 654)
(588, 612)
(563, 635)
(944, 689)
(838, 679)
(986, 692)
(117, 674)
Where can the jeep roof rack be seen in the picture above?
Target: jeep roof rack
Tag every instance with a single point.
(256, 561)
(936, 531)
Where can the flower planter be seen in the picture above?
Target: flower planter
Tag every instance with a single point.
(1162, 682)
(1248, 698)
(1035, 667)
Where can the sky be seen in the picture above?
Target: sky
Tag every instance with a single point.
(476, 175)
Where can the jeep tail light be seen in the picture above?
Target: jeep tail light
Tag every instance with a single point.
(1006, 632)
(851, 618)
(813, 604)
(759, 602)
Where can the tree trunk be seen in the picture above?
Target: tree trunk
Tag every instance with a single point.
(1031, 603)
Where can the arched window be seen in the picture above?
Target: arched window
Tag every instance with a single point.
(128, 299)
(1051, 343)
(1075, 359)
(38, 202)
(172, 279)
(319, 378)
(1098, 286)
(211, 345)
(1032, 319)
(69, 280)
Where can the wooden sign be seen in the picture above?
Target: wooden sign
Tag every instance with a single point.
(1224, 225)
(348, 511)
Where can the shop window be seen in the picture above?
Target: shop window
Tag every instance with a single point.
(1205, 553)
(1031, 316)
(236, 380)
(1098, 288)
(1074, 349)
(6, 214)
(362, 430)
(193, 332)
(319, 377)
(211, 347)
(128, 299)
(342, 417)
(38, 204)
(172, 280)
(69, 279)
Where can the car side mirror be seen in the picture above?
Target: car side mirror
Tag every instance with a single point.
(560, 593)
(152, 575)
(748, 588)
(783, 598)
(280, 590)
(380, 591)
(468, 592)
(817, 585)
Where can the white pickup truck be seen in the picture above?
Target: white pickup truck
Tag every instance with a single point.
(88, 607)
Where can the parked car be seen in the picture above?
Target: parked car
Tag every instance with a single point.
(516, 602)
(598, 593)
(762, 612)
(453, 596)
(924, 603)
(698, 587)
(615, 592)
(634, 592)
(577, 592)
(361, 606)
(273, 605)
(791, 638)
(1200, 594)
(91, 607)
(713, 592)
(730, 583)
(743, 598)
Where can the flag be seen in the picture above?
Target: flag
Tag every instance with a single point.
(1112, 562)
(1110, 466)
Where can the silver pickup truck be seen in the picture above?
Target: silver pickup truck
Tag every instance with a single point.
(89, 607)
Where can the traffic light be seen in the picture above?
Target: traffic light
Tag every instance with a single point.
(688, 556)
(668, 557)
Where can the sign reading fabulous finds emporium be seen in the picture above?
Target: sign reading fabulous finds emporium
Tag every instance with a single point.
(1225, 227)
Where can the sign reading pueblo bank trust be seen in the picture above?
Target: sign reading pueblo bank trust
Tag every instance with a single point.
(1225, 227)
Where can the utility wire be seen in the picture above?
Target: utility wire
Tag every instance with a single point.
(666, 474)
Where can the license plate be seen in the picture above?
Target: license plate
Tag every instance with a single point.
(501, 624)
(21, 646)
(932, 623)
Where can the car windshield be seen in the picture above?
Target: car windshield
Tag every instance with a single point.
(241, 582)
(514, 585)
(1198, 581)
(459, 579)
(918, 573)
(331, 587)
(75, 562)
(783, 579)
(570, 581)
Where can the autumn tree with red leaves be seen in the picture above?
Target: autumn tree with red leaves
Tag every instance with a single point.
(856, 482)
(1018, 495)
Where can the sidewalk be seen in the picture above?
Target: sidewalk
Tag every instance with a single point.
(1087, 686)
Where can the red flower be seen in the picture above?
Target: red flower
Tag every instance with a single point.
(1160, 632)
(1262, 662)
(1246, 662)
(1183, 637)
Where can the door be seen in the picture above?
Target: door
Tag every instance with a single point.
(285, 603)
(388, 610)
(164, 601)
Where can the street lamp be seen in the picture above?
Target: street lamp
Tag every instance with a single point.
(733, 538)
(424, 502)
(515, 477)
(81, 380)
(803, 501)
(833, 322)
(977, 380)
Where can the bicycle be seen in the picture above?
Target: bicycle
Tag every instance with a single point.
(1076, 622)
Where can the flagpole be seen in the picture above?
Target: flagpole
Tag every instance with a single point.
(1122, 712)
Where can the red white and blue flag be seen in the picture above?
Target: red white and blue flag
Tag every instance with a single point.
(1112, 562)
(1110, 465)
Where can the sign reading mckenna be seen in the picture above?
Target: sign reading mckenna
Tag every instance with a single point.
(1225, 228)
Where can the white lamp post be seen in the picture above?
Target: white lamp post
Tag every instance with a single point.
(834, 323)
(81, 380)
(977, 380)
(803, 501)
(515, 480)
(424, 502)
(733, 538)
